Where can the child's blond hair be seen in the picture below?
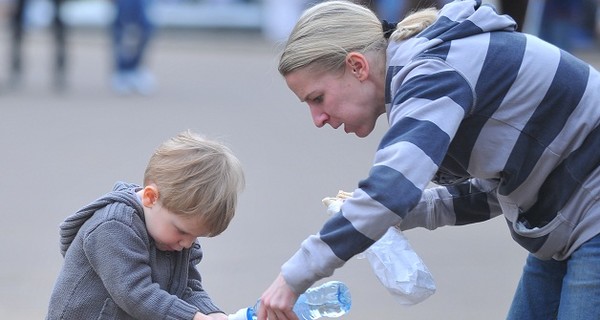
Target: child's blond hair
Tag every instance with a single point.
(197, 176)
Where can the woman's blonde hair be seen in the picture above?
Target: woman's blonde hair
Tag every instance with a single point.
(197, 176)
(414, 23)
(328, 31)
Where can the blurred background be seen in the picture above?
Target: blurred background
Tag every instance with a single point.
(88, 89)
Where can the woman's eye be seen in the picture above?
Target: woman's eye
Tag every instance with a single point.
(318, 99)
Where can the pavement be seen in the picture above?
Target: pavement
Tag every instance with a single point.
(62, 150)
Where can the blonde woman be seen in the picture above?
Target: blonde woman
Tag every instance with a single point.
(504, 123)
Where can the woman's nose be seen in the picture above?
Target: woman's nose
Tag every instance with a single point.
(319, 117)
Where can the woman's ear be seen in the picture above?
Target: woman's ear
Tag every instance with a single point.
(357, 64)
(149, 195)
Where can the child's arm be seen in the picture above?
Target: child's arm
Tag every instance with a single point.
(218, 316)
(212, 316)
(200, 316)
(195, 293)
(120, 257)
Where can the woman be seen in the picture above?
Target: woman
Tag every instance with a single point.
(503, 122)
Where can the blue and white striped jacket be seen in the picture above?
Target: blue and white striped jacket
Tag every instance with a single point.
(512, 119)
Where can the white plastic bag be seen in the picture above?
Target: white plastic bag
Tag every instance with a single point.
(394, 262)
(400, 269)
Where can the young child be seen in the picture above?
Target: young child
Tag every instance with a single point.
(132, 253)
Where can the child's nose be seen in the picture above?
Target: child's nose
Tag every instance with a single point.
(186, 243)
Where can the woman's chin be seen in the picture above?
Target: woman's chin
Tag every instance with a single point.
(362, 133)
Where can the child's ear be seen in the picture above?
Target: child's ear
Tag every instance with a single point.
(149, 195)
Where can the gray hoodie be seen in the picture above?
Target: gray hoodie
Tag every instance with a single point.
(113, 270)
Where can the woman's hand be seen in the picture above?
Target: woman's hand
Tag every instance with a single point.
(277, 302)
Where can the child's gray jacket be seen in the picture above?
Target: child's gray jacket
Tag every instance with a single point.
(112, 269)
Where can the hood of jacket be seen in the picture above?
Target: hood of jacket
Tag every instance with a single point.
(456, 20)
(122, 192)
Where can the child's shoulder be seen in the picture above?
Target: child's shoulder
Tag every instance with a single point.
(122, 205)
(116, 206)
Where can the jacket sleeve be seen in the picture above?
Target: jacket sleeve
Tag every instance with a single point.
(195, 293)
(466, 202)
(429, 101)
(120, 257)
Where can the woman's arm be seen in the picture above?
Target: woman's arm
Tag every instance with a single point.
(469, 201)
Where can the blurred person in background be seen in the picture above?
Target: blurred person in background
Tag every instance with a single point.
(18, 26)
(395, 10)
(280, 16)
(597, 22)
(517, 9)
(569, 24)
(132, 30)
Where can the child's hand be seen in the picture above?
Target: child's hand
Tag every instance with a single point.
(217, 316)
(200, 316)
(212, 316)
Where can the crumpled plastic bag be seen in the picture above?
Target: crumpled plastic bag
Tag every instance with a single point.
(397, 266)
(400, 269)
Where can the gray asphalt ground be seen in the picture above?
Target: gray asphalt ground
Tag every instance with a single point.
(63, 150)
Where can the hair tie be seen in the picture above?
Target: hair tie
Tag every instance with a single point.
(388, 28)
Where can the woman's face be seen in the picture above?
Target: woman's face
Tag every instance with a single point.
(347, 98)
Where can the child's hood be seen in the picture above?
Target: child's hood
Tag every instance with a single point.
(122, 192)
(456, 20)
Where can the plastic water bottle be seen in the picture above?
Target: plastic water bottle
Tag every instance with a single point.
(331, 299)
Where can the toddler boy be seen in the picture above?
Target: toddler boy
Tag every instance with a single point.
(131, 254)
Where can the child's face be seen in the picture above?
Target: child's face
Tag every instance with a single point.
(170, 231)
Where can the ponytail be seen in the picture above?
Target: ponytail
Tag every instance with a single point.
(414, 23)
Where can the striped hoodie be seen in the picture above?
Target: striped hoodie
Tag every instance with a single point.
(505, 123)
